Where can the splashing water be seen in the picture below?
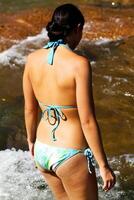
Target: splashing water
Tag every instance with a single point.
(19, 179)
(15, 55)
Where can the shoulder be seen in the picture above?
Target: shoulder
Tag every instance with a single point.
(34, 54)
(82, 66)
(33, 57)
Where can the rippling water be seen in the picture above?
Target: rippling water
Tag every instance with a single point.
(113, 77)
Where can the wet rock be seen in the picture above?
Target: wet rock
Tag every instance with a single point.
(20, 25)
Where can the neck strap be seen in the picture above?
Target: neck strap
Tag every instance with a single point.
(53, 45)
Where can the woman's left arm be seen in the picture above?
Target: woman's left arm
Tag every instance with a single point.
(30, 108)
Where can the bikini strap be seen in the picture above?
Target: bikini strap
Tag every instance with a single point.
(53, 45)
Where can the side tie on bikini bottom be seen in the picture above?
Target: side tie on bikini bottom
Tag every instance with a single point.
(89, 155)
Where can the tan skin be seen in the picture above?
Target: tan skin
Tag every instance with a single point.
(67, 82)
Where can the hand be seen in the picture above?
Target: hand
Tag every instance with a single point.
(31, 148)
(108, 177)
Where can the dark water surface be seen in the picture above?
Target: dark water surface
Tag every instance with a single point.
(15, 5)
(113, 77)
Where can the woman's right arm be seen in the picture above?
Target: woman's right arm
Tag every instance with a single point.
(86, 110)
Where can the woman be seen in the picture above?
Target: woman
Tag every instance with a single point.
(60, 82)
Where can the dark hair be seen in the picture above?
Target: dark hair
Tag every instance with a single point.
(64, 19)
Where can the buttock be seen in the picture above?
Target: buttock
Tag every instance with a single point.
(50, 157)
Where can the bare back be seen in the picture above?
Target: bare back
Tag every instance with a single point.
(55, 85)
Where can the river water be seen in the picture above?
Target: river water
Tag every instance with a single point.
(112, 62)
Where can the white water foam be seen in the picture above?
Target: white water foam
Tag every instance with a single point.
(128, 94)
(19, 179)
(101, 40)
(15, 55)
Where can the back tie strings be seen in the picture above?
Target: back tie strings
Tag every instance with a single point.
(54, 46)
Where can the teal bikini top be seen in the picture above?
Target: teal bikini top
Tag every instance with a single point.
(55, 108)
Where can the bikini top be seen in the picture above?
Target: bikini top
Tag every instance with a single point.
(55, 108)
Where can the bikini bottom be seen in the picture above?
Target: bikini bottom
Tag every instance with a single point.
(50, 157)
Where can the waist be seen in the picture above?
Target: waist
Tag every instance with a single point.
(69, 128)
(67, 135)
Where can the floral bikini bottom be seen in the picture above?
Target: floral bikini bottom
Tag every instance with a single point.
(49, 157)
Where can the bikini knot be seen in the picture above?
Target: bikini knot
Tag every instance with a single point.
(53, 46)
(58, 114)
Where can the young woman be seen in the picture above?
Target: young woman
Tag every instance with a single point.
(60, 82)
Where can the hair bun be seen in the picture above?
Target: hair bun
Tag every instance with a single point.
(64, 20)
(55, 29)
(53, 26)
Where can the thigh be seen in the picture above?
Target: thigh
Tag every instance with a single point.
(55, 184)
(77, 180)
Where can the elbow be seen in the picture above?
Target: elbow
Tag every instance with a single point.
(88, 123)
(85, 122)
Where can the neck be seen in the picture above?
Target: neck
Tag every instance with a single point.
(71, 43)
